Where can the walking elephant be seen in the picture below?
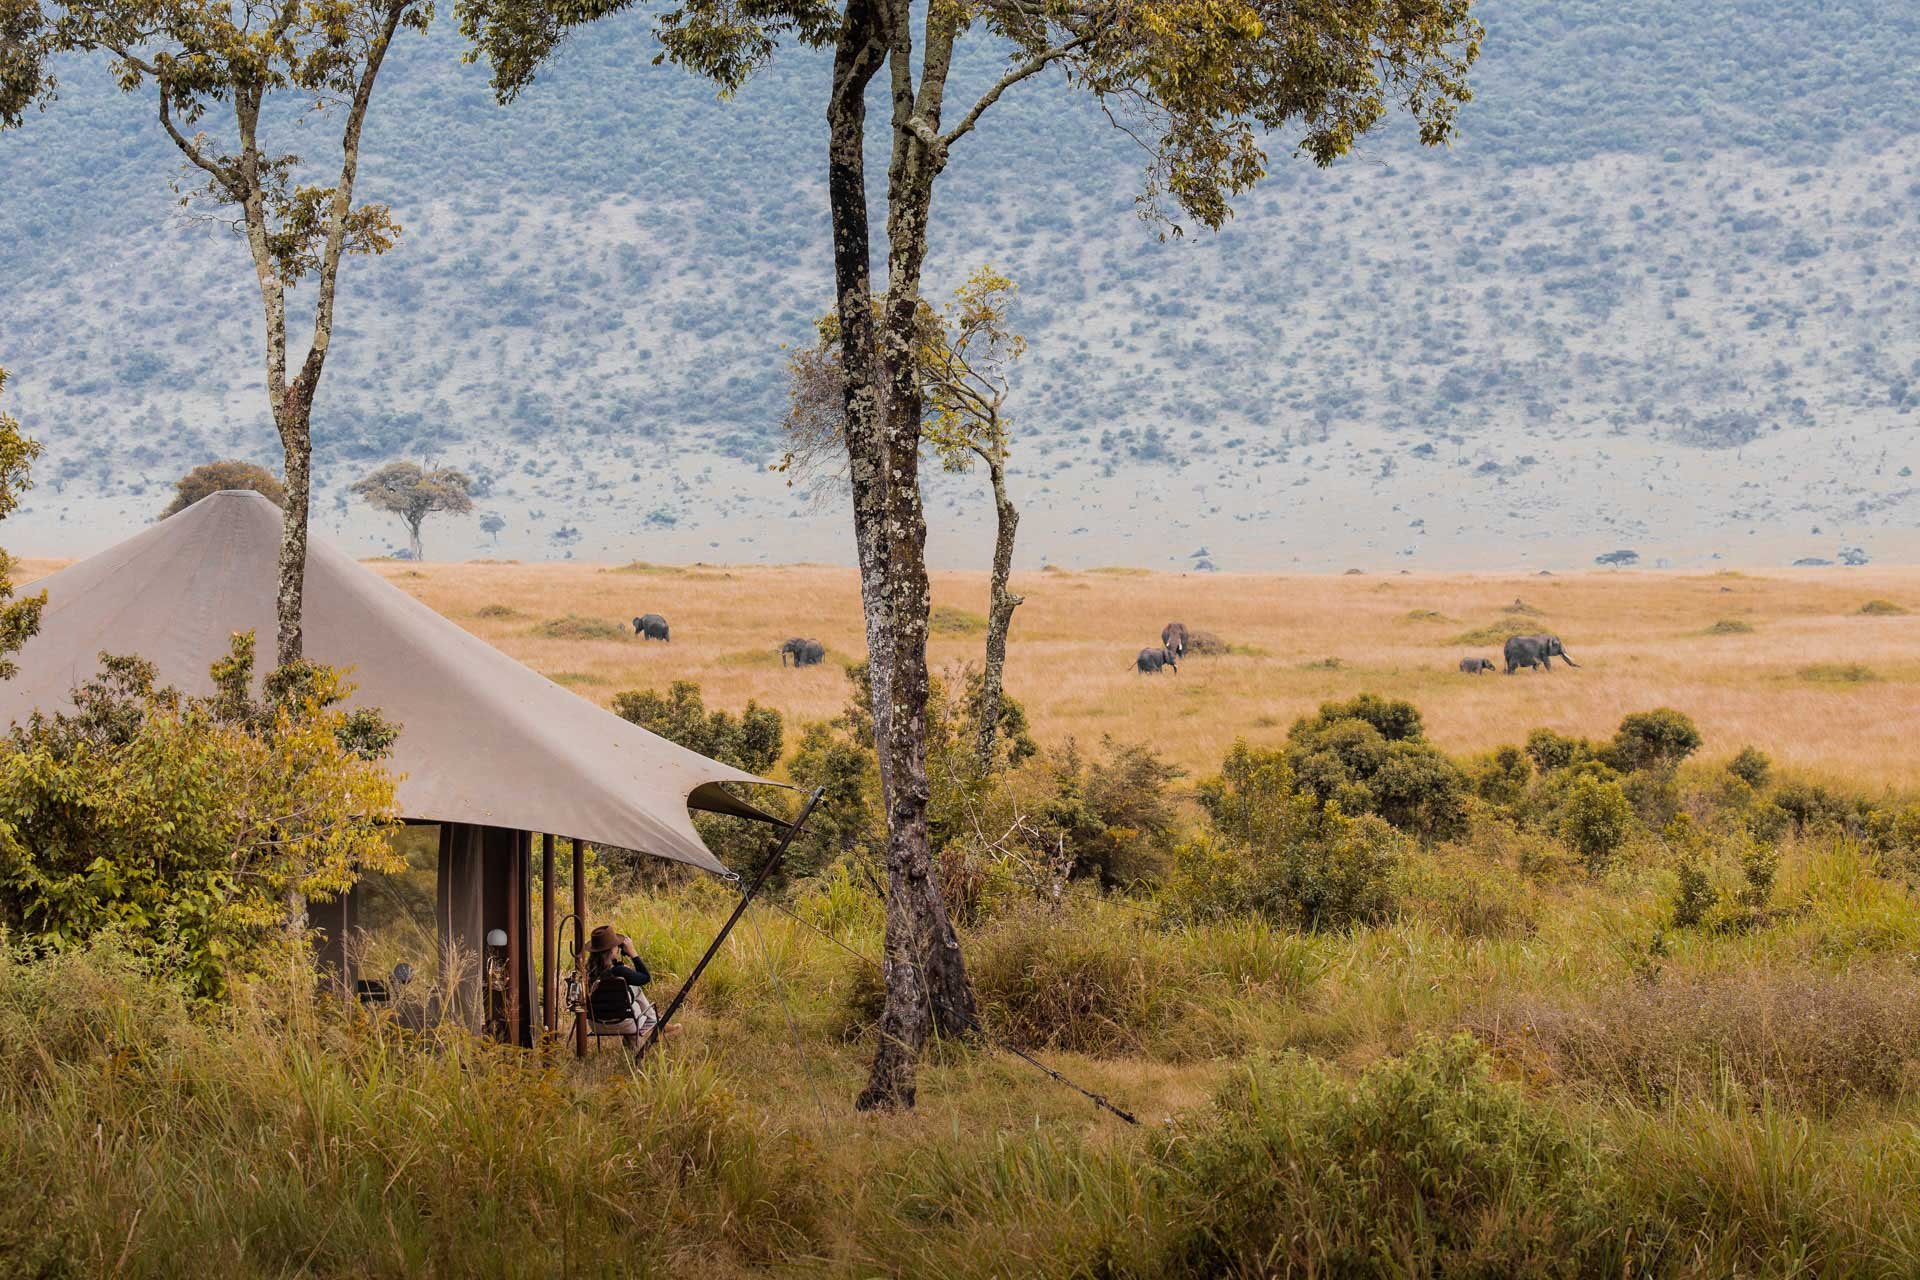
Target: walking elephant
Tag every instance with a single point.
(1475, 666)
(1173, 637)
(650, 626)
(1535, 651)
(806, 653)
(1151, 660)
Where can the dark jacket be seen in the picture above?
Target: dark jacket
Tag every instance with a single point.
(609, 1001)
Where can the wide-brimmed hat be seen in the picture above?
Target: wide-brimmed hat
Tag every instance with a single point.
(603, 939)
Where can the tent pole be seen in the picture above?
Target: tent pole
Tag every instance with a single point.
(549, 942)
(580, 940)
(740, 909)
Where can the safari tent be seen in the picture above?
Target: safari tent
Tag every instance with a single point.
(492, 752)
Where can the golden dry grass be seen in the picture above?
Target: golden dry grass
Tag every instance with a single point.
(1642, 639)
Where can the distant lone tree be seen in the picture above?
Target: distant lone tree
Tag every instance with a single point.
(410, 491)
(227, 473)
(1618, 558)
(491, 524)
(19, 619)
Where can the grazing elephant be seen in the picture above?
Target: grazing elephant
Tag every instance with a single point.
(1151, 660)
(1535, 651)
(1173, 637)
(650, 626)
(1474, 666)
(806, 653)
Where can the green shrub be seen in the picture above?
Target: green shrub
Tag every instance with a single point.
(1751, 766)
(494, 611)
(1550, 750)
(1594, 819)
(1280, 853)
(575, 627)
(1502, 777)
(1426, 1166)
(1368, 755)
(1694, 894)
(1882, 609)
(180, 824)
(1657, 739)
(751, 741)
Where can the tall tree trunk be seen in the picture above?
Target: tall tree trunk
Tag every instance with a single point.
(926, 981)
(1001, 604)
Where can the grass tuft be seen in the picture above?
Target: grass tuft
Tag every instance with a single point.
(575, 627)
(1730, 627)
(1838, 673)
(1883, 609)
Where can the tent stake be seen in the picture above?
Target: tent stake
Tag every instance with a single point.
(740, 909)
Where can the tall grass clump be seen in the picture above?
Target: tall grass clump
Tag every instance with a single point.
(1883, 609)
(285, 1137)
(575, 627)
(1426, 1165)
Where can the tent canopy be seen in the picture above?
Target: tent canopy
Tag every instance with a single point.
(483, 740)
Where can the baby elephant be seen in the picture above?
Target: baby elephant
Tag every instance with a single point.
(650, 626)
(806, 653)
(1474, 666)
(1151, 660)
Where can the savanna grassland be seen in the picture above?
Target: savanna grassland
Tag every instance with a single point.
(1631, 1006)
(1789, 684)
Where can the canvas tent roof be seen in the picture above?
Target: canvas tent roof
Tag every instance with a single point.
(483, 739)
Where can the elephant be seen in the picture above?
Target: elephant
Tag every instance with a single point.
(1474, 666)
(650, 626)
(1151, 660)
(1535, 651)
(1173, 637)
(806, 653)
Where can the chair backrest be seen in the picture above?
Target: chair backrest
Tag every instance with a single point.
(610, 999)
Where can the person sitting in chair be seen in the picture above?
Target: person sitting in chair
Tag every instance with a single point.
(615, 976)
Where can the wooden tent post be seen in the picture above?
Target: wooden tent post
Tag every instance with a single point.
(740, 909)
(580, 941)
(517, 994)
(549, 942)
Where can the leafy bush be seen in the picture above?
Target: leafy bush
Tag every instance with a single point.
(1751, 766)
(1368, 755)
(1594, 819)
(1426, 1166)
(1279, 853)
(749, 741)
(1501, 778)
(1694, 894)
(1658, 739)
(181, 824)
(1550, 751)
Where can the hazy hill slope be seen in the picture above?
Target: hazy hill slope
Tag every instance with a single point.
(1662, 297)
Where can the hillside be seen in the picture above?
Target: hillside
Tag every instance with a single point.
(1661, 299)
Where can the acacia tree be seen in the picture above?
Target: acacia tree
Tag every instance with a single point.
(964, 355)
(248, 63)
(1199, 83)
(413, 493)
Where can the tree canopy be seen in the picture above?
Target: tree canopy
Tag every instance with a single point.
(227, 473)
(413, 492)
(19, 619)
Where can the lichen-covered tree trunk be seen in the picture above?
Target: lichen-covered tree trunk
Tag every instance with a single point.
(1001, 604)
(926, 981)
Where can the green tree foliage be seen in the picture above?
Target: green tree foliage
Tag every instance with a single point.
(1369, 755)
(751, 740)
(1657, 740)
(227, 473)
(413, 492)
(19, 619)
(1751, 766)
(258, 66)
(1278, 852)
(1594, 817)
(180, 824)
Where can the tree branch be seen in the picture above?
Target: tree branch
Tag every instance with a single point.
(1027, 70)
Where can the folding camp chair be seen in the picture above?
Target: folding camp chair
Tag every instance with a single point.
(605, 997)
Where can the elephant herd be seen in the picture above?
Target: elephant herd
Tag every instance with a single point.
(1523, 651)
(804, 652)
